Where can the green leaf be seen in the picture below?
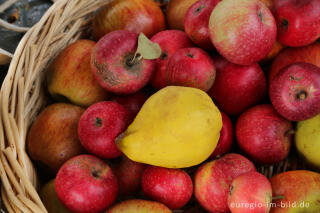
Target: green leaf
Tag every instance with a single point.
(147, 49)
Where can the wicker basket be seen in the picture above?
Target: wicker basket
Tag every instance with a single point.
(22, 97)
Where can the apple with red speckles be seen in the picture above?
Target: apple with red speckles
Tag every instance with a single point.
(243, 31)
(99, 126)
(253, 189)
(196, 23)
(86, 184)
(191, 67)
(213, 180)
(264, 135)
(298, 21)
(115, 66)
(172, 187)
(295, 91)
(169, 41)
(226, 137)
(238, 87)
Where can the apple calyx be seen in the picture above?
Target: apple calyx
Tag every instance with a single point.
(301, 95)
(98, 122)
(146, 50)
(284, 23)
(95, 173)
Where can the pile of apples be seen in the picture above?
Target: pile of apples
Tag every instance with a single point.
(217, 46)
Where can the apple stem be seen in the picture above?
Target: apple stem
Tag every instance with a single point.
(278, 197)
(136, 59)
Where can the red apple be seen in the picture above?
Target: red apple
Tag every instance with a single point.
(132, 103)
(99, 126)
(298, 21)
(133, 15)
(213, 181)
(243, 31)
(191, 67)
(295, 91)
(264, 135)
(196, 23)
(86, 184)
(129, 174)
(309, 54)
(113, 64)
(250, 193)
(226, 137)
(172, 187)
(238, 87)
(176, 11)
(170, 41)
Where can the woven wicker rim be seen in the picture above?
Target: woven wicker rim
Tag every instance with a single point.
(22, 96)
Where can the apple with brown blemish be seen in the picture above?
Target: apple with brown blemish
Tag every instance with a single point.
(116, 65)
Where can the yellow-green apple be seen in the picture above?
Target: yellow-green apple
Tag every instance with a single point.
(133, 15)
(115, 66)
(213, 180)
(170, 41)
(132, 103)
(176, 11)
(172, 187)
(299, 191)
(309, 54)
(191, 67)
(86, 184)
(100, 125)
(295, 91)
(129, 175)
(226, 137)
(196, 23)
(250, 193)
(298, 21)
(139, 206)
(243, 34)
(70, 78)
(238, 87)
(55, 131)
(264, 135)
(307, 140)
(50, 200)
